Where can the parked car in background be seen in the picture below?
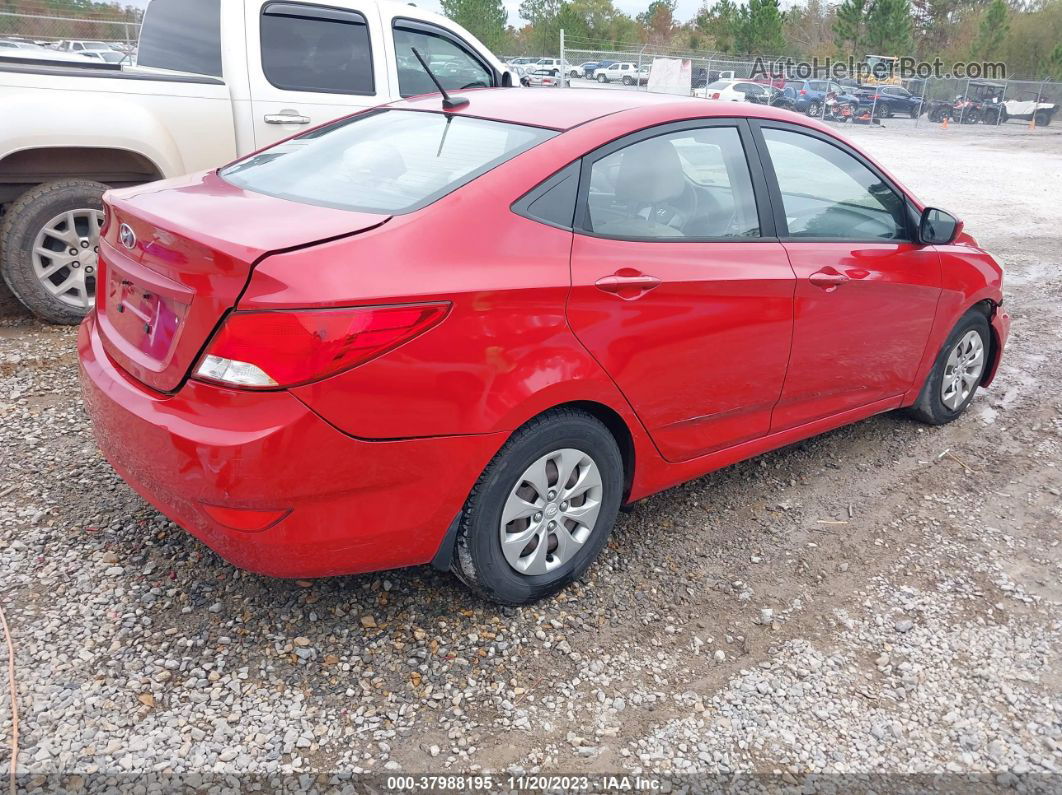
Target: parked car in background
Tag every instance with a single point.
(590, 68)
(585, 69)
(214, 80)
(734, 90)
(553, 65)
(625, 73)
(889, 100)
(254, 374)
(1025, 106)
(808, 95)
(543, 77)
(82, 46)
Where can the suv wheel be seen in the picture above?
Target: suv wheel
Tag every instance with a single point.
(542, 510)
(49, 244)
(814, 109)
(957, 372)
(602, 79)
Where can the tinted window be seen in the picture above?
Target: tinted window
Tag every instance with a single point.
(387, 161)
(553, 202)
(454, 65)
(184, 35)
(817, 85)
(312, 48)
(688, 184)
(828, 193)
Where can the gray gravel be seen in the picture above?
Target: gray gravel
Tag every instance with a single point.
(883, 599)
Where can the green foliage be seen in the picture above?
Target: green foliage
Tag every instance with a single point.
(485, 19)
(849, 27)
(720, 22)
(992, 32)
(889, 27)
(759, 28)
(658, 21)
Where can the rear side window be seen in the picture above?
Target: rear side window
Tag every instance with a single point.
(383, 161)
(454, 64)
(314, 48)
(183, 35)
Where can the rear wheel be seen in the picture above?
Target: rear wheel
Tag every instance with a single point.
(542, 510)
(884, 111)
(1043, 118)
(957, 372)
(814, 108)
(49, 244)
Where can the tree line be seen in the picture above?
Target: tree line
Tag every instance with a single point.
(1026, 35)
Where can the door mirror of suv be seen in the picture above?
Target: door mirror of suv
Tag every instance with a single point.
(938, 227)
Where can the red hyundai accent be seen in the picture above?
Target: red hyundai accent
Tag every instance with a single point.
(468, 336)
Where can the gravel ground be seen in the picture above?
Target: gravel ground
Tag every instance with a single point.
(880, 600)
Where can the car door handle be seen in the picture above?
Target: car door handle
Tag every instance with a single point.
(286, 117)
(827, 280)
(628, 285)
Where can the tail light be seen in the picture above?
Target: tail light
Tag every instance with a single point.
(715, 95)
(803, 91)
(278, 349)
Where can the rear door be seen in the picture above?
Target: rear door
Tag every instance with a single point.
(866, 293)
(311, 63)
(679, 289)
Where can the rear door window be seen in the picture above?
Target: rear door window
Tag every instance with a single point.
(383, 161)
(316, 48)
(452, 61)
(182, 35)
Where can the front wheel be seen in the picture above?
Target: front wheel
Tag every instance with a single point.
(49, 245)
(602, 79)
(957, 372)
(628, 80)
(542, 510)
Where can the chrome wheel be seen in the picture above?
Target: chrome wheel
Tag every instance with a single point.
(963, 369)
(65, 255)
(551, 511)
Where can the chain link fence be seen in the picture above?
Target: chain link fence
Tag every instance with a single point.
(1006, 106)
(48, 31)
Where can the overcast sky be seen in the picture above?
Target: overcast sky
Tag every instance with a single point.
(686, 8)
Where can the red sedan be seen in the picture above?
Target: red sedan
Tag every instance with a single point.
(468, 336)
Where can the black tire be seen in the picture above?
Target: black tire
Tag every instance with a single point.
(1003, 116)
(628, 80)
(930, 408)
(22, 222)
(1043, 118)
(813, 110)
(602, 79)
(574, 73)
(478, 558)
(884, 110)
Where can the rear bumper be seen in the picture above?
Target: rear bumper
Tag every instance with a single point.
(1000, 333)
(355, 505)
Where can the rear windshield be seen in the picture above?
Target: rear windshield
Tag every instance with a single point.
(383, 161)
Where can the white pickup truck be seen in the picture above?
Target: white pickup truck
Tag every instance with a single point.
(214, 79)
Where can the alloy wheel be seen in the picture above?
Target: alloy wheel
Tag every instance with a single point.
(551, 511)
(65, 256)
(963, 369)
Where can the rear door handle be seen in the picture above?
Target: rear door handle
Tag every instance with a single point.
(286, 117)
(627, 285)
(827, 280)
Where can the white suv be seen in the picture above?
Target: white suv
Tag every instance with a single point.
(553, 65)
(625, 72)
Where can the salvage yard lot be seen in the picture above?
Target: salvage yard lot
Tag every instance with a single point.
(884, 598)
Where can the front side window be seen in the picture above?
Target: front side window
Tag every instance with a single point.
(182, 35)
(384, 161)
(828, 193)
(688, 184)
(314, 48)
(454, 66)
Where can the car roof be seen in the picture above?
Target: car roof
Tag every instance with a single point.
(562, 110)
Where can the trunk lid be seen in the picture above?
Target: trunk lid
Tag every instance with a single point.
(195, 240)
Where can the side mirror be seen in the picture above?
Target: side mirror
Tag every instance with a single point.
(937, 227)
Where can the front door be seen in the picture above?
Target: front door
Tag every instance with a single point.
(866, 294)
(675, 290)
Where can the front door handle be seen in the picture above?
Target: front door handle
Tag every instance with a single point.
(286, 116)
(827, 280)
(627, 283)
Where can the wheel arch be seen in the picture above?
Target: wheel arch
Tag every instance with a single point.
(114, 166)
